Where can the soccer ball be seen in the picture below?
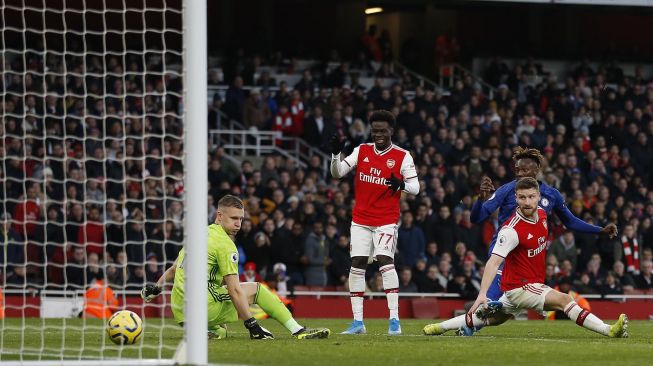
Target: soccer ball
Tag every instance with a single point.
(124, 327)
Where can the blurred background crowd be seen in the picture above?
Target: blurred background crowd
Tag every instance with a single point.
(92, 182)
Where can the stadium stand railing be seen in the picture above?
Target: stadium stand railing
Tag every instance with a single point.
(239, 141)
(448, 74)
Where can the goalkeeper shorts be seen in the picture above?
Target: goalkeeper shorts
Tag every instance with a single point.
(220, 308)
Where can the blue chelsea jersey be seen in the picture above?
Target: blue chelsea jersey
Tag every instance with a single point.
(551, 200)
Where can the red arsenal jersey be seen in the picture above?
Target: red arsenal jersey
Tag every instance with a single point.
(375, 204)
(522, 242)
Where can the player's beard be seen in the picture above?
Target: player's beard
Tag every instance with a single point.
(528, 212)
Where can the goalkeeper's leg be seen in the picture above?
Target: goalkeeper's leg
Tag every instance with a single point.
(273, 306)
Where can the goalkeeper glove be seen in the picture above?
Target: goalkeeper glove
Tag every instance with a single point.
(150, 291)
(395, 184)
(256, 331)
(335, 144)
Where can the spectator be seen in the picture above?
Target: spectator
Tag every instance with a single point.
(314, 127)
(623, 277)
(564, 248)
(611, 285)
(432, 282)
(443, 231)
(152, 269)
(317, 253)
(432, 257)
(136, 279)
(11, 241)
(249, 274)
(75, 269)
(445, 274)
(341, 261)
(256, 113)
(411, 242)
(644, 281)
(115, 277)
(631, 250)
(91, 234)
(406, 283)
(28, 212)
(461, 285)
(93, 270)
(235, 100)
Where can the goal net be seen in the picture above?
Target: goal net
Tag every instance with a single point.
(92, 175)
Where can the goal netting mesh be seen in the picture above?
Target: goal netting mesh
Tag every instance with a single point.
(92, 172)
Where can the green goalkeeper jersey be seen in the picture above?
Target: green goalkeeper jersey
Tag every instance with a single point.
(222, 257)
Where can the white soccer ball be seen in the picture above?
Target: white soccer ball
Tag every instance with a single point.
(124, 327)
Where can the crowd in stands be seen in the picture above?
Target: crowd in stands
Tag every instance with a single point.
(92, 184)
(594, 130)
(91, 181)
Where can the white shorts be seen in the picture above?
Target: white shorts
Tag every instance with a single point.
(530, 296)
(370, 241)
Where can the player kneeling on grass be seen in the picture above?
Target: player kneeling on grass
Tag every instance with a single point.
(229, 302)
(522, 243)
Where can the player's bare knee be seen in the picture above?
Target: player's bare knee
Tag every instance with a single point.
(359, 262)
(384, 260)
(563, 301)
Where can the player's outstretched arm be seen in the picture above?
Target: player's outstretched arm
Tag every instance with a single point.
(239, 299)
(575, 224)
(150, 291)
(491, 268)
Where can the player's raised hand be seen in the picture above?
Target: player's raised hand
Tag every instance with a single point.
(486, 188)
(150, 291)
(611, 230)
(395, 184)
(256, 331)
(335, 144)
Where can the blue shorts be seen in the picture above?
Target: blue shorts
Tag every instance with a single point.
(494, 292)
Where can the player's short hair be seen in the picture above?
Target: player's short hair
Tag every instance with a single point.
(526, 153)
(382, 115)
(527, 183)
(230, 201)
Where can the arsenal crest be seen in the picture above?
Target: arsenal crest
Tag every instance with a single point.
(390, 163)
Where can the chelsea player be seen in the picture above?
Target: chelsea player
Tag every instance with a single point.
(527, 164)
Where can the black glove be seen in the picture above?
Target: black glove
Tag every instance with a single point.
(335, 144)
(395, 184)
(256, 331)
(150, 291)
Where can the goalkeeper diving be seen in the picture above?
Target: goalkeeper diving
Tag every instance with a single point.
(228, 298)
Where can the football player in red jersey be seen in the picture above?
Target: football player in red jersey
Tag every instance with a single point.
(382, 171)
(522, 243)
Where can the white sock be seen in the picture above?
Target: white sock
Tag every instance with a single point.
(293, 326)
(357, 291)
(586, 319)
(391, 288)
(460, 321)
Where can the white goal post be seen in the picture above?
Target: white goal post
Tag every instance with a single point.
(103, 176)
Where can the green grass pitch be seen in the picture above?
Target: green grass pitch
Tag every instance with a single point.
(514, 343)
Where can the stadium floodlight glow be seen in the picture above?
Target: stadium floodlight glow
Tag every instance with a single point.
(374, 10)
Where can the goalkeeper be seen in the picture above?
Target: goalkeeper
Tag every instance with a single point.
(229, 302)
